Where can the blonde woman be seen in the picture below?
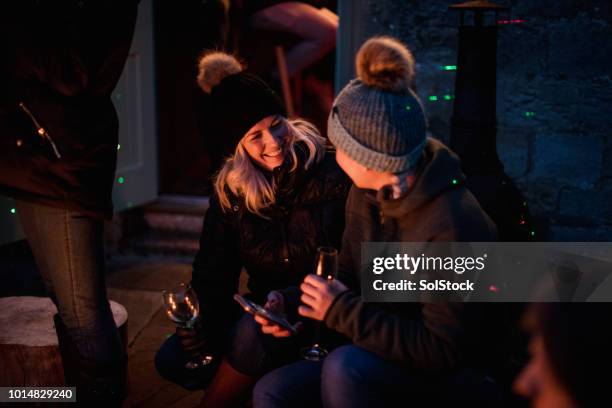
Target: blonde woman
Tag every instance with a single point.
(278, 196)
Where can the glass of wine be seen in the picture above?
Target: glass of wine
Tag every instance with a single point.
(326, 267)
(182, 308)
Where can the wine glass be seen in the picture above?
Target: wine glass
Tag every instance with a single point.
(327, 267)
(182, 308)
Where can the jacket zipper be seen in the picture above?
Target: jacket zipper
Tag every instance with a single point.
(41, 130)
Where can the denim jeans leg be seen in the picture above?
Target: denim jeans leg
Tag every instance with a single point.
(69, 252)
(170, 363)
(254, 353)
(295, 385)
(354, 377)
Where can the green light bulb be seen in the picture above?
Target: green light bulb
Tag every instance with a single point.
(433, 98)
(13, 210)
(121, 180)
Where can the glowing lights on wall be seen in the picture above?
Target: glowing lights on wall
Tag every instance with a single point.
(435, 98)
(121, 180)
(511, 21)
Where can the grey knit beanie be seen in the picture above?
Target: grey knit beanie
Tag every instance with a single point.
(377, 120)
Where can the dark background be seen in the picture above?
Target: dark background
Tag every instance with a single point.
(556, 65)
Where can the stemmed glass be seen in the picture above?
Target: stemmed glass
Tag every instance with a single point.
(182, 308)
(327, 267)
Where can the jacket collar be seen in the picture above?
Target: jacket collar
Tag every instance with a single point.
(439, 172)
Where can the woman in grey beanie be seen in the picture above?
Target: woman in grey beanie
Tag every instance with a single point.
(407, 188)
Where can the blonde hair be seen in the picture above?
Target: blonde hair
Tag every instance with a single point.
(241, 176)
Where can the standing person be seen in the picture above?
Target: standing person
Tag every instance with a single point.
(58, 149)
(407, 188)
(278, 196)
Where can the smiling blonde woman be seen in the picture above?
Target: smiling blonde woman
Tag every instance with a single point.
(278, 196)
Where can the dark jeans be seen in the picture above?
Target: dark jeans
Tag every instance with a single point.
(249, 351)
(348, 377)
(353, 377)
(69, 252)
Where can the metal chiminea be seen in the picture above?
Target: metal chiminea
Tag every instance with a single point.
(474, 122)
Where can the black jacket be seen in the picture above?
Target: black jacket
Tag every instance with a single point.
(276, 252)
(61, 60)
(424, 336)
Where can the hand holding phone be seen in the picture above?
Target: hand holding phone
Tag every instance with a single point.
(260, 312)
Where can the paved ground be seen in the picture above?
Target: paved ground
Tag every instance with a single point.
(139, 282)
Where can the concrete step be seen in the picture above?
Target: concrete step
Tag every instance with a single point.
(172, 226)
(160, 243)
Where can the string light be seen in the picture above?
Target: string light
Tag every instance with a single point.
(529, 114)
(455, 182)
(121, 180)
(449, 97)
(408, 107)
(118, 147)
(449, 67)
(13, 210)
(513, 21)
(433, 98)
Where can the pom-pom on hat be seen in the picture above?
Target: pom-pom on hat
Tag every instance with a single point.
(239, 99)
(377, 119)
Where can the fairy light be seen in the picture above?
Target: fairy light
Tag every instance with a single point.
(448, 97)
(13, 210)
(511, 21)
(529, 114)
(433, 98)
(121, 180)
(408, 107)
(118, 147)
(454, 181)
(449, 67)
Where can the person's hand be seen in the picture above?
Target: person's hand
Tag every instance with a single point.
(276, 304)
(318, 294)
(192, 340)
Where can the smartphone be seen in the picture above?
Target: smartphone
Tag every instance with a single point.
(256, 310)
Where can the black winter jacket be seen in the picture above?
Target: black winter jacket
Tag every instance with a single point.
(276, 252)
(61, 60)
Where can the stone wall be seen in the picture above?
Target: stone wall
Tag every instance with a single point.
(554, 104)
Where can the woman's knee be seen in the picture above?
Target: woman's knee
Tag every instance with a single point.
(246, 352)
(169, 359)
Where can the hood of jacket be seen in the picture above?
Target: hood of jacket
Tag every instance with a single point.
(438, 172)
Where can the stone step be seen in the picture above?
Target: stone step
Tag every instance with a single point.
(172, 226)
(160, 243)
(176, 214)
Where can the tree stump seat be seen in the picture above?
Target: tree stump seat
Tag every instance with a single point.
(29, 351)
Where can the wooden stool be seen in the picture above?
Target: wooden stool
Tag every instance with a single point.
(29, 351)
